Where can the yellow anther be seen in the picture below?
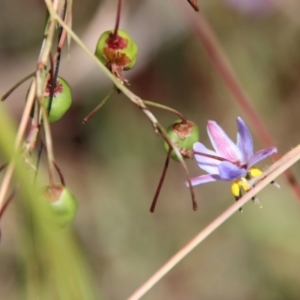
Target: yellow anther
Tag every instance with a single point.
(244, 184)
(235, 189)
(254, 172)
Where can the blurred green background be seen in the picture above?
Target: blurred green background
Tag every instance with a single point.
(113, 163)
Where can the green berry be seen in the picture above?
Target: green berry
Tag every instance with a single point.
(116, 51)
(61, 101)
(62, 205)
(183, 135)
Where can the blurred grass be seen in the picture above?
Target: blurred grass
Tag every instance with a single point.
(114, 162)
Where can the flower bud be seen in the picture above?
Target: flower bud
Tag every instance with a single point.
(61, 101)
(183, 135)
(118, 51)
(61, 203)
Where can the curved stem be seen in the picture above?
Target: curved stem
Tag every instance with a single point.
(167, 108)
(60, 174)
(25, 78)
(172, 146)
(98, 107)
(161, 181)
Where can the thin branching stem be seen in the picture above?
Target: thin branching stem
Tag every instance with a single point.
(130, 95)
(60, 174)
(165, 136)
(99, 106)
(25, 78)
(20, 134)
(161, 181)
(48, 143)
(167, 108)
(36, 91)
(118, 18)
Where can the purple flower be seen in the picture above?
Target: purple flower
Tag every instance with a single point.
(229, 161)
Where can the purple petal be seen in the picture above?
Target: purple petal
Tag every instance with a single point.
(260, 155)
(203, 179)
(229, 171)
(244, 140)
(223, 145)
(210, 165)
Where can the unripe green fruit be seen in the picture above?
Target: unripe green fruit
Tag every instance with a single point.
(62, 205)
(183, 135)
(120, 51)
(61, 101)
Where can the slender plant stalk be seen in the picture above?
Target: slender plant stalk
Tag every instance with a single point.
(60, 174)
(118, 18)
(48, 143)
(21, 131)
(99, 106)
(218, 58)
(158, 128)
(36, 90)
(161, 181)
(25, 78)
(262, 181)
(67, 16)
(167, 108)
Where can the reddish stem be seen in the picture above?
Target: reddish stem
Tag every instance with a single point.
(118, 18)
(211, 156)
(60, 174)
(161, 181)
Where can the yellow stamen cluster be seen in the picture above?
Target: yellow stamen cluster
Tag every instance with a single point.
(242, 183)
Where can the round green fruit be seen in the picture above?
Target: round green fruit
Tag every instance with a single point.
(120, 50)
(183, 134)
(62, 205)
(61, 101)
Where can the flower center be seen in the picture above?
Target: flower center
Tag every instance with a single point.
(242, 183)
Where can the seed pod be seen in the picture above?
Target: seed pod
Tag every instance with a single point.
(118, 51)
(61, 203)
(183, 135)
(61, 101)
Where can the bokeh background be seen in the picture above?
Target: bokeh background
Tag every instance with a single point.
(113, 163)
